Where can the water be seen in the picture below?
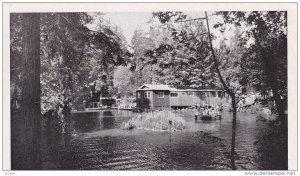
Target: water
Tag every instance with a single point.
(99, 143)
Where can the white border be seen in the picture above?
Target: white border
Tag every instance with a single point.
(127, 7)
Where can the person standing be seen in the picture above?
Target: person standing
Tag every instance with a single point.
(197, 108)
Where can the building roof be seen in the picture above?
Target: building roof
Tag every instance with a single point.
(196, 90)
(155, 87)
(170, 88)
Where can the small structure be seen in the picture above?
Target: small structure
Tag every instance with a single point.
(152, 96)
(208, 113)
(103, 103)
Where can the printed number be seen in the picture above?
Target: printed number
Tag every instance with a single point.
(9, 173)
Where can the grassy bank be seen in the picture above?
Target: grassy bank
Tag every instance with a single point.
(157, 120)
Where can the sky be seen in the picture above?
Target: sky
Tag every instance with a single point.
(128, 22)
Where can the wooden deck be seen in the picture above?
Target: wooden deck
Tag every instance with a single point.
(87, 110)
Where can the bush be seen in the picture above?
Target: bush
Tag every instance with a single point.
(158, 120)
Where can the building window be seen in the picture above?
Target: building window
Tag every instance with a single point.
(174, 94)
(161, 95)
(220, 94)
(191, 93)
(139, 95)
(213, 94)
(183, 94)
(205, 94)
(147, 94)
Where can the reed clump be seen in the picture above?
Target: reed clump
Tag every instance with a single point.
(157, 120)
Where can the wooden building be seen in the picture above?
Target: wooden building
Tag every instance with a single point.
(150, 96)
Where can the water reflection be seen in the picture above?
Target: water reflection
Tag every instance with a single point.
(87, 124)
(108, 120)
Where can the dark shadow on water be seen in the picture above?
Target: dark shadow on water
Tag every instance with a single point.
(107, 113)
(89, 124)
(108, 120)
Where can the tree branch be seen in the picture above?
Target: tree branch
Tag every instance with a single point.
(215, 59)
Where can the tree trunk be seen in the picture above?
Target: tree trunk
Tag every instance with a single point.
(230, 92)
(30, 115)
(65, 104)
(233, 131)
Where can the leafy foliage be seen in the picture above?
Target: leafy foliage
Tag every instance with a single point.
(124, 81)
(168, 16)
(63, 41)
(16, 55)
(265, 62)
(181, 57)
(141, 42)
(77, 62)
(73, 58)
(230, 59)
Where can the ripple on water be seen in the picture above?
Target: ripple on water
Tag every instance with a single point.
(203, 145)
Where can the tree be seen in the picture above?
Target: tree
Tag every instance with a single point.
(140, 44)
(110, 50)
(269, 30)
(230, 91)
(257, 21)
(64, 41)
(124, 82)
(29, 118)
(230, 59)
(16, 60)
(76, 59)
(181, 57)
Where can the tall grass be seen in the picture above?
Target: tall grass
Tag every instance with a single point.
(157, 120)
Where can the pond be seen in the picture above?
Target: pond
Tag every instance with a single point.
(99, 143)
